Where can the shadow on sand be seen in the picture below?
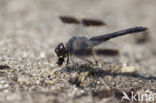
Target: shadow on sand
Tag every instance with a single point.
(98, 72)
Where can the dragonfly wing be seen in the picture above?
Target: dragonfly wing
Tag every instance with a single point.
(91, 52)
(95, 47)
(78, 25)
(73, 25)
(88, 52)
(92, 56)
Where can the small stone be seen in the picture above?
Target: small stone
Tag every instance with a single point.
(14, 77)
(75, 81)
(129, 69)
(4, 67)
(49, 82)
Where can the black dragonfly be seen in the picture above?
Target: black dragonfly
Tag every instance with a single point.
(81, 46)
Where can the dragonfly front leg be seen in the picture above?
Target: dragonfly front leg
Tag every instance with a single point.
(67, 61)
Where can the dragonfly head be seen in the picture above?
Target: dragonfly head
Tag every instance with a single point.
(61, 53)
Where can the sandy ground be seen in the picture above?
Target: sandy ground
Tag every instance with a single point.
(30, 30)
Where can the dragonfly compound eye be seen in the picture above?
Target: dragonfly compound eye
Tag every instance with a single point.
(61, 52)
(59, 49)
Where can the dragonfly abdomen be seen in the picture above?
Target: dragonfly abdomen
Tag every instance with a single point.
(117, 34)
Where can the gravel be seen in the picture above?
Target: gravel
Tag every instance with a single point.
(30, 30)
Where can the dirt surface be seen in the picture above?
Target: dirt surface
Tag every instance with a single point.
(30, 30)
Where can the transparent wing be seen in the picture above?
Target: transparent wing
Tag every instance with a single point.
(107, 48)
(104, 52)
(72, 25)
(102, 49)
(84, 22)
(78, 27)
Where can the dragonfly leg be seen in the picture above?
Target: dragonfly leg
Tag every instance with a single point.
(94, 57)
(96, 62)
(85, 59)
(75, 64)
(67, 62)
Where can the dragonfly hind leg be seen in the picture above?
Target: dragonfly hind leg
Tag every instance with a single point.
(94, 57)
(84, 59)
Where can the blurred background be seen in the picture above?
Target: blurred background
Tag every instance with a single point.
(30, 30)
(36, 23)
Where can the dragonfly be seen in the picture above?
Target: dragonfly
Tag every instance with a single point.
(81, 46)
